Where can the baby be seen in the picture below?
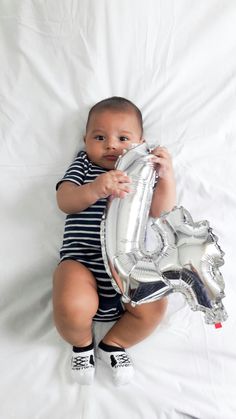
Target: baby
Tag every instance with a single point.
(82, 290)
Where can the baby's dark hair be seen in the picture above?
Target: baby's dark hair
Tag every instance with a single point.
(119, 104)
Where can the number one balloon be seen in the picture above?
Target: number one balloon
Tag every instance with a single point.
(186, 257)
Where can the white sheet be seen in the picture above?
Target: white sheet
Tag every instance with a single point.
(176, 60)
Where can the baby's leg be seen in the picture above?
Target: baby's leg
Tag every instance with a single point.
(136, 324)
(75, 302)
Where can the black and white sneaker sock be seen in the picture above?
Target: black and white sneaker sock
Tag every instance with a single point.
(118, 361)
(82, 364)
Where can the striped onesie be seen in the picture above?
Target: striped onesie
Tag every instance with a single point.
(81, 241)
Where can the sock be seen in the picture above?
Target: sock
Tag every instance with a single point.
(83, 348)
(110, 348)
(82, 364)
(118, 361)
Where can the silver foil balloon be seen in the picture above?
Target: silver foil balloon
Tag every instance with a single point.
(186, 257)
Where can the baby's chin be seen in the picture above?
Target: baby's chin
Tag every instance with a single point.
(106, 164)
(109, 165)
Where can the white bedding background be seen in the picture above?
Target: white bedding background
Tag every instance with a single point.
(176, 60)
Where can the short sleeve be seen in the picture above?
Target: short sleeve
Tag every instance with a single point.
(77, 171)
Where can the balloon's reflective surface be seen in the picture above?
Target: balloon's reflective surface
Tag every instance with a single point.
(186, 257)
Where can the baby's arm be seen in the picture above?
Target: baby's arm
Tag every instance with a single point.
(164, 195)
(72, 198)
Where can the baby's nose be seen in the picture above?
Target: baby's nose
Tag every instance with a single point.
(111, 142)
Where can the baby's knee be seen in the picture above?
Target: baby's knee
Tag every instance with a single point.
(75, 312)
(159, 311)
(150, 314)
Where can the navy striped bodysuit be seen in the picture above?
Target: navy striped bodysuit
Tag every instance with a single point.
(81, 239)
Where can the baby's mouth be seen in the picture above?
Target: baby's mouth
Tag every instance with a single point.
(111, 157)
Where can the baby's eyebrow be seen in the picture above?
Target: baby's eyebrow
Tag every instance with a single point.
(98, 130)
(126, 132)
(102, 131)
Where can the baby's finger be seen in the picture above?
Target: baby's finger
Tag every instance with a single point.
(121, 191)
(122, 194)
(123, 178)
(161, 151)
(154, 158)
(118, 172)
(158, 160)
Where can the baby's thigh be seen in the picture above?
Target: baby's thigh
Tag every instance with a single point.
(74, 286)
(149, 312)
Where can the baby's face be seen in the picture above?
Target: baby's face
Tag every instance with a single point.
(108, 134)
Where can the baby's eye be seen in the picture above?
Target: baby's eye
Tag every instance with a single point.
(99, 137)
(124, 138)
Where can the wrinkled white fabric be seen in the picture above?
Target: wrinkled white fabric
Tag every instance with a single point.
(176, 61)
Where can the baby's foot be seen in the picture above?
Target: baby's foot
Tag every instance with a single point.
(82, 364)
(118, 361)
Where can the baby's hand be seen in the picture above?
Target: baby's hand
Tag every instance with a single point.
(163, 161)
(114, 182)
